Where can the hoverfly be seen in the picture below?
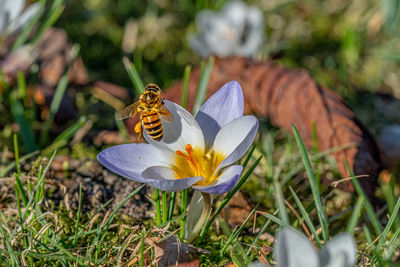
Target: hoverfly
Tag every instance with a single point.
(151, 108)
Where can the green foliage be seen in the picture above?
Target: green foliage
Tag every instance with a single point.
(341, 49)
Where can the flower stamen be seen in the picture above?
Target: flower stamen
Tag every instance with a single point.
(193, 162)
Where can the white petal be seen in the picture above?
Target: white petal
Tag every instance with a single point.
(12, 7)
(220, 109)
(339, 252)
(183, 130)
(293, 249)
(198, 46)
(236, 12)
(163, 178)
(24, 18)
(235, 138)
(130, 160)
(194, 213)
(3, 21)
(216, 33)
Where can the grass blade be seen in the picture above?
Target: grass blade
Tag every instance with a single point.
(58, 96)
(7, 169)
(355, 216)
(134, 76)
(26, 131)
(37, 188)
(313, 184)
(248, 157)
(185, 88)
(171, 205)
(55, 12)
(393, 216)
(305, 216)
(70, 131)
(203, 85)
(227, 198)
(184, 201)
(367, 204)
(23, 36)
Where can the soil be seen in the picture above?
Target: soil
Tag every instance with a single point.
(98, 187)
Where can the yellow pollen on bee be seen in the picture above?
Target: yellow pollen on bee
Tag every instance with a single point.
(193, 162)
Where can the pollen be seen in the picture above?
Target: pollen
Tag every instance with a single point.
(193, 163)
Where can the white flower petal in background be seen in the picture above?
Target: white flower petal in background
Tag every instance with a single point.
(339, 252)
(24, 18)
(12, 7)
(293, 249)
(12, 16)
(237, 30)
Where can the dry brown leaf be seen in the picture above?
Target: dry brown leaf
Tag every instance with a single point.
(195, 263)
(54, 55)
(171, 251)
(266, 250)
(293, 96)
(237, 210)
(20, 60)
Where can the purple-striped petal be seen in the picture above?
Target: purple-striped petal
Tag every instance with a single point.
(225, 183)
(220, 109)
(235, 138)
(130, 160)
(163, 178)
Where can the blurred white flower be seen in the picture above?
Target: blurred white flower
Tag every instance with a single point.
(293, 249)
(238, 29)
(12, 18)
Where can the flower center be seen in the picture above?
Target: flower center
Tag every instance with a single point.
(193, 163)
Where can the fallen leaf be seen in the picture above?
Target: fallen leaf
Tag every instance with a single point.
(266, 250)
(237, 209)
(171, 251)
(288, 96)
(195, 263)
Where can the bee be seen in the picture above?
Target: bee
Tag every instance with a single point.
(152, 109)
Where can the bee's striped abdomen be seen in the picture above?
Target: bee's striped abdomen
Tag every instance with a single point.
(152, 124)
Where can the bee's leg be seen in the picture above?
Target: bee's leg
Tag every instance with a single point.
(139, 130)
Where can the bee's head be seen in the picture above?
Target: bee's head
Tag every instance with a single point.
(152, 94)
(153, 88)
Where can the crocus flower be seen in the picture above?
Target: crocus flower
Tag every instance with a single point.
(237, 30)
(12, 18)
(196, 153)
(293, 249)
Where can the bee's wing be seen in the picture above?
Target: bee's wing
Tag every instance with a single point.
(165, 114)
(128, 111)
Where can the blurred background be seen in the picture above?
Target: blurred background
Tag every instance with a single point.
(346, 45)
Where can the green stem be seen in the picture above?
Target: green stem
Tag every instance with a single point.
(171, 207)
(183, 212)
(202, 220)
(164, 207)
(158, 208)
